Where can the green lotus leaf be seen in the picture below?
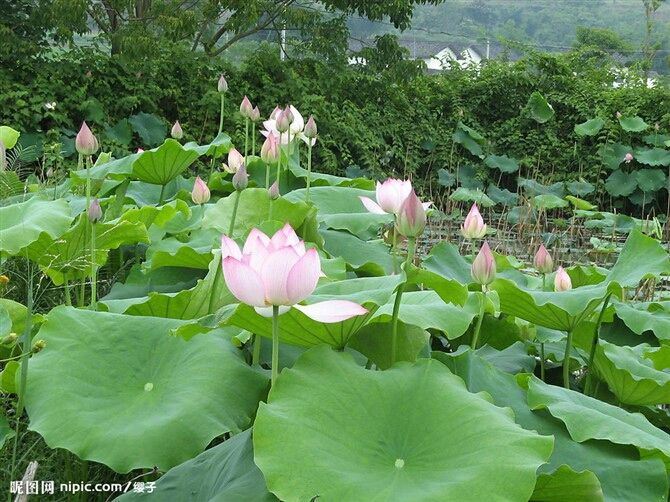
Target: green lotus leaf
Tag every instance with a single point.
(219, 146)
(445, 178)
(371, 257)
(580, 203)
(549, 201)
(650, 180)
(470, 139)
(466, 176)
(24, 223)
(381, 450)
(323, 179)
(253, 210)
(656, 139)
(224, 473)
(565, 484)
(445, 260)
(150, 128)
(640, 320)
(8, 136)
(620, 183)
(631, 376)
(164, 164)
(163, 216)
(196, 252)
(503, 163)
(588, 418)
(653, 157)
(580, 188)
(613, 154)
(502, 196)
(639, 248)
(121, 133)
(296, 328)
(590, 127)
(122, 391)
(633, 124)
(462, 194)
(374, 342)
(622, 474)
(539, 108)
(534, 188)
(513, 359)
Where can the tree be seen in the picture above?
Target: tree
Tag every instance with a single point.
(649, 49)
(602, 39)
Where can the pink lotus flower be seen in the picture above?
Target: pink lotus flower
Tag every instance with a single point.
(235, 161)
(473, 227)
(562, 281)
(94, 211)
(628, 158)
(542, 261)
(273, 191)
(296, 126)
(176, 132)
(483, 269)
(246, 108)
(270, 150)
(279, 271)
(85, 143)
(222, 85)
(411, 218)
(200, 193)
(390, 195)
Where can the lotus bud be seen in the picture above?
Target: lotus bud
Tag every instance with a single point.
(562, 280)
(38, 346)
(176, 132)
(618, 115)
(289, 114)
(310, 128)
(542, 261)
(483, 269)
(246, 108)
(273, 192)
(270, 150)
(275, 113)
(283, 122)
(4, 280)
(255, 115)
(241, 178)
(200, 193)
(628, 158)
(140, 150)
(222, 86)
(94, 211)
(9, 339)
(473, 226)
(85, 143)
(235, 161)
(411, 218)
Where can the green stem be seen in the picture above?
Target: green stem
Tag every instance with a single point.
(223, 97)
(309, 167)
(68, 295)
(82, 293)
(544, 282)
(478, 327)
(542, 369)
(160, 197)
(246, 138)
(256, 355)
(232, 219)
(594, 344)
(94, 270)
(566, 361)
(275, 344)
(411, 243)
(394, 250)
(267, 176)
(253, 138)
(212, 296)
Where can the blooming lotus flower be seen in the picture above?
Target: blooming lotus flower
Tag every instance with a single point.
(411, 218)
(473, 227)
(542, 261)
(270, 150)
(562, 281)
(390, 195)
(483, 269)
(241, 178)
(94, 212)
(279, 271)
(85, 143)
(200, 193)
(246, 108)
(628, 158)
(280, 122)
(273, 192)
(176, 132)
(222, 85)
(235, 161)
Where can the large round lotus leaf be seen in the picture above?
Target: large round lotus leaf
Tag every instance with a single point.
(633, 124)
(463, 194)
(539, 108)
(123, 391)
(621, 183)
(590, 127)
(413, 432)
(650, 180)
(653, 157)
(502, 162)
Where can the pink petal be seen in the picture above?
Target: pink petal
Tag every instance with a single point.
(274, 275)
(230, 248)
(426, 205)
(303, 277)
(332, 310)
(267, 311)
(284, 237)
(371, 205)
(243, 282)
(255, 240)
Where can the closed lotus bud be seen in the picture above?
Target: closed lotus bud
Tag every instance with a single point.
(176, 132)
(38, 346)
(411, 218)
(235, 161)
(94, 211)
(473, 226)
(483, 269)
(85, 143)
(618, 115)
(628, 158)
(241, 178)
(222, 86)
(9, 339)
(200, 193)
(310, 128)
(275, 113)
(283, 122)
(289, 114)
(270, 150)
(246, 109)
(542, 261)
(4, 280)
(255, 115)
(562, 280)
(273, 192)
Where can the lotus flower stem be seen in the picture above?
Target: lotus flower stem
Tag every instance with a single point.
(542, 370)
(480, 319)
(223, 98)
(94, 270)
(394, 250)
(235, 206)
(309, 168)
(253, 138)
(256, 355)
(594, 344)
(411, 245)
(566, 361)
(246, 138)
(68, 295)
(275, 343)
(161, 196)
